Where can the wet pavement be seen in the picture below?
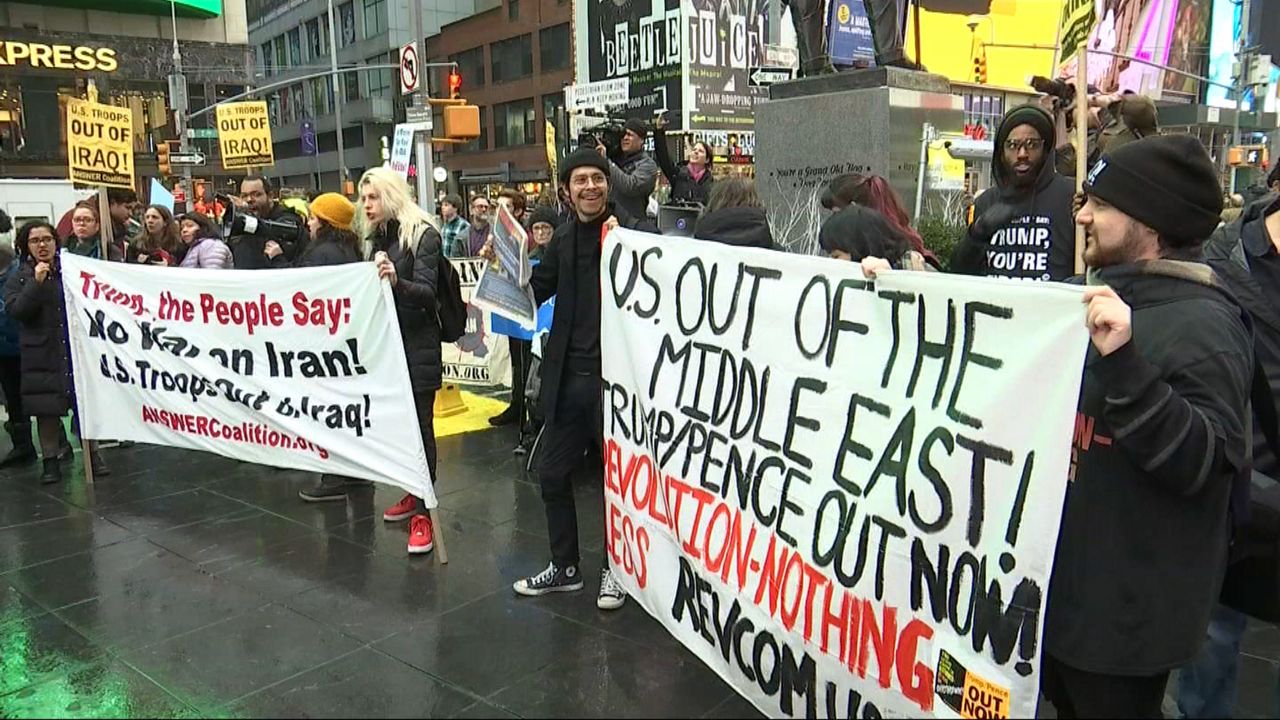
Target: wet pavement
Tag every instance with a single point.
(189, 585)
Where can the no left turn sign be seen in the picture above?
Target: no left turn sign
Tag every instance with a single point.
(409, 69)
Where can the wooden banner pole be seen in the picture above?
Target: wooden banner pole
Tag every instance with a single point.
(437, 528)
(1082, 142)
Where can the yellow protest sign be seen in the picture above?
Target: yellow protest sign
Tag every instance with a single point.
(244, 132)
(99, 144)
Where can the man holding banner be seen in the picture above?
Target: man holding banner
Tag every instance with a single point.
(570, 270)
(1160, 437)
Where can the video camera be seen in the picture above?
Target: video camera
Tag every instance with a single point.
(608, 133)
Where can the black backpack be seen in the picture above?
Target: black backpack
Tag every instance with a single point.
(450, 308)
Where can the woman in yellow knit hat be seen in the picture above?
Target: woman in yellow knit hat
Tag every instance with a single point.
(332, 240)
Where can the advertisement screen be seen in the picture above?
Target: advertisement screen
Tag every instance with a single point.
(1169, 33)
(1223, 39)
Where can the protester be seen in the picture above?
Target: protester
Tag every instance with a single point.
(205, 248)
(33, 297)
(873, 191)
(158, 241)
(332, 241)
(1144, 535)
(514, 201)
(456, 229)
(1244, 255)
(635, 174)
(18, 424)
(259, 218)
(734, 216)
(543, 222)
(691, 180)
(570, 270)
(860, 234)
(1114, 120)
(122, 206)
(1022, 228)
(85, 238)
(478, 235)
(407, 250)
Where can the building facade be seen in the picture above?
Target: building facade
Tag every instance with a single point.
(50, 50)
(515, 60)
(290, 39)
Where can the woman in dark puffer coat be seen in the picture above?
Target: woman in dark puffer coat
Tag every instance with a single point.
(33, 297)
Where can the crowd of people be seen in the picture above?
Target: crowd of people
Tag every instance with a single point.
(1182, 309)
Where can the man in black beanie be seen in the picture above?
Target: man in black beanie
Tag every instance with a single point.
(1022, 227)
(571, 379)
(1160, 437)
(633, 177)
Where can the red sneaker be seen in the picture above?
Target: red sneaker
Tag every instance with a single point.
(420, 537)
(403, 510)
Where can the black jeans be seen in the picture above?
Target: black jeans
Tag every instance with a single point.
(425, 403)
(521, 354)
(1079, 694)
(578, 425)
(885, 33)
(11, 383)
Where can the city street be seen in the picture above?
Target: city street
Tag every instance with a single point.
(190, 585)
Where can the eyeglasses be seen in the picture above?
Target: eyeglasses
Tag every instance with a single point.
(44, 240)
(83, 221)
(1031, 145)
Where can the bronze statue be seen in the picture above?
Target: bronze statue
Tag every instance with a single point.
(811, 35)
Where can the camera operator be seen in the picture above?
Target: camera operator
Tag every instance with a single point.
(263, 228)
(632, 176)
(1115, 119)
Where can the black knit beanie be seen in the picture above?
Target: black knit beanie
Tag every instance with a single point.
(1028, 114)
(544, 214)
(637, 126)
(582, 157)
(1166, 182)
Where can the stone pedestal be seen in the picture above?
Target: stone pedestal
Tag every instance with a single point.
(870, 121)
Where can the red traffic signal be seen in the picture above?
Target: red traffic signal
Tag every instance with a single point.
(455, 84)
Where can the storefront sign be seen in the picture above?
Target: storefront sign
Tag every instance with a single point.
(99, 144)
(57, 57)
(244, 132)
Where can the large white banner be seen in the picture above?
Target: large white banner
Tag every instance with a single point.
(292, 368)
(481, 356)
(843, 496)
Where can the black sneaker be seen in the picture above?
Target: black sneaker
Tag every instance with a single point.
(323, 493)
(506, 417)
(553, 579)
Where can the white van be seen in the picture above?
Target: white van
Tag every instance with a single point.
(24, 200)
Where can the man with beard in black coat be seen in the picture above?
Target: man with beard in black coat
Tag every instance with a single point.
(1146, 524)
(571, 372)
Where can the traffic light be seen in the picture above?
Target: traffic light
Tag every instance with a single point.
(455, 84)
(162, 157)
(980, 67)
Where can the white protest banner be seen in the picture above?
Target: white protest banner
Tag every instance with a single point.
(401, 148)
(844, 497)
(480, 357)
(296, 368)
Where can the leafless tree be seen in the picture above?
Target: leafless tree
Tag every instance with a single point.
(795, 224)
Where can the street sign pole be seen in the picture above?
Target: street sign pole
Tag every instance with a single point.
(338, 98)
(422, 138)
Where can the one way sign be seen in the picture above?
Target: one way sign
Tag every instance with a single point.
(766, 76)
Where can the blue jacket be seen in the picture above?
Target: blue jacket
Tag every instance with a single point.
(8, 326)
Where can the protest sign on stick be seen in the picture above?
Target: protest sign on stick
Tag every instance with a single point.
(300, 368)
(843, 496)
(480, 357)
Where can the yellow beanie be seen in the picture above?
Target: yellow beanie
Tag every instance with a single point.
(334, 209)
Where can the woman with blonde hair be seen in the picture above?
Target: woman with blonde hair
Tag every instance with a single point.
(405, 243)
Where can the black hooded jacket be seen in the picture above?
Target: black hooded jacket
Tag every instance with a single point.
(1227, 255)
(739, 226)
(1160, 439)
(1024, 233)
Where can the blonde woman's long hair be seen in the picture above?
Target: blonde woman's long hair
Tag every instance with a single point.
(398, 203)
